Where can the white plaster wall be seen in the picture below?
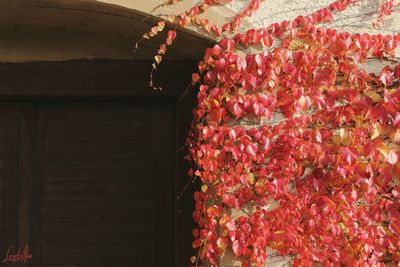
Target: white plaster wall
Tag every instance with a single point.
(357, 18)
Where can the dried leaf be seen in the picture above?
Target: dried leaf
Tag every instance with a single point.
(158, 59)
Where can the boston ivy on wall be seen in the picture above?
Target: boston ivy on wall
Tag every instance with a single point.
(298, 146)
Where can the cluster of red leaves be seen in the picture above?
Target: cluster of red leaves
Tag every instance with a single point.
(385, 10)
(305, 126)
(192, 17)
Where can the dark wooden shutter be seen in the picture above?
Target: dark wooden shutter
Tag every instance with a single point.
(102, 186)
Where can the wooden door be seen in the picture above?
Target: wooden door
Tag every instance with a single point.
(88, 183)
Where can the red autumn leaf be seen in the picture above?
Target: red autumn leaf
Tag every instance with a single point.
(241, 64)
(220, 64)
(215, 114)
(396, 71)
(267, 40)
(171, 35)
(325, 76)
(195, 78)
(231, 225)
(237, 248)
(227, 44)
(208, 131)
(394, 226)
(349, 155)
(197, 243)
(216, 50)
(386, 77)
(237, 110)
(251, 149)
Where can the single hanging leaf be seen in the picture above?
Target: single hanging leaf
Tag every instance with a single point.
(163, 49)
(158, 59)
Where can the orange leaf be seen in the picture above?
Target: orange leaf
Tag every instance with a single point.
(161, 25)
(163, 49)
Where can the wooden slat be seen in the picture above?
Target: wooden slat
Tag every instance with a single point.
(97, 211)
(97, 170)
(10, 120)
(137, 188)
(126, 130)
(88, 234)
(79, 79)
(89, 149)
(101, 111)
(115, 254)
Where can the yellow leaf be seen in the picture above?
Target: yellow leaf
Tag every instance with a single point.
(373, 95)
(250, 178)
(384, 150)
(204, 188)
(171, 18)
(336, 139)
(376, 131)
(295, 44)
(158, 59)
(342, 132)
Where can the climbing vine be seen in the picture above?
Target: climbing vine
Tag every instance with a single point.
(297, 147)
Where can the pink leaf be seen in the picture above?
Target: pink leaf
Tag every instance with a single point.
(241, 64)
(386, 77)
(396, 121)
(392, 157)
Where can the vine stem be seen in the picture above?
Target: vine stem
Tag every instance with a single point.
(188, 87)
(186, 187)
(198, 255)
